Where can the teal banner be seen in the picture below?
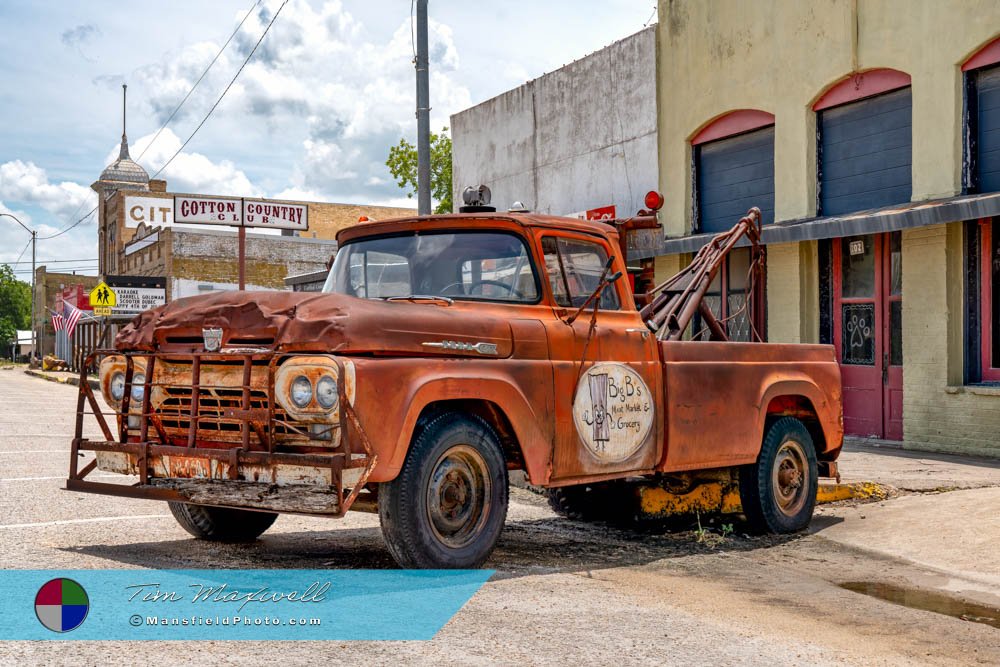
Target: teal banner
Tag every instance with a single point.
(232, 604)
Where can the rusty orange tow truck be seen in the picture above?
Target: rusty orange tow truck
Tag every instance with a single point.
(444, 352)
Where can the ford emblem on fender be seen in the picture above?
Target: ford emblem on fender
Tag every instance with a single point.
(213, 339)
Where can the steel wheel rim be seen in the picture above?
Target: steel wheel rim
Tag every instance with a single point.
(458, 496)
(789, 475)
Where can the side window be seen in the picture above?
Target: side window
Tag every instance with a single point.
(374, 275)
(574, 268)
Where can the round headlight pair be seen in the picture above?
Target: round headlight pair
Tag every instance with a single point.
(326, 391)
(117, 386)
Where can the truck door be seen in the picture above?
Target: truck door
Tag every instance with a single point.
(608, 391)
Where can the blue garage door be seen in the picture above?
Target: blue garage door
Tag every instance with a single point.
(865, 148)
(734, 174)
(988, 129)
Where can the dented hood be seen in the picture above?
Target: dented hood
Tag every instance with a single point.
(315, 322)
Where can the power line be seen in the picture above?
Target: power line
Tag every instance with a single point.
(203, 120)
(203, 74)
(56, 261)
(63, 231)
(22, 253)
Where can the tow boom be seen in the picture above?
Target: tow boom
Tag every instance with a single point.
(675, 301)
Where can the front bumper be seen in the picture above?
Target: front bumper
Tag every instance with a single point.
(249, 455)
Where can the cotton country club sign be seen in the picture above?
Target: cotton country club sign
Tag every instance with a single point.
(240, 213)
(230, 211)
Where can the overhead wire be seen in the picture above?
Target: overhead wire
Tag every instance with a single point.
(223, 95)
(200, 78)
(22, 252)
(66, 229)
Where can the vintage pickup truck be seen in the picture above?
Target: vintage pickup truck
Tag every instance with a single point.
(443, 352)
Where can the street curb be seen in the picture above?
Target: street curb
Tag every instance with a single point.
(832, 492)
(72, 380)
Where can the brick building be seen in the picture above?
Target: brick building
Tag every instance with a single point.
(50, 287)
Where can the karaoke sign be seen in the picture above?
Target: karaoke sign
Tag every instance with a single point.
(613, 411)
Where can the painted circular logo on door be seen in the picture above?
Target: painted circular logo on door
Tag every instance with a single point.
(613, 411)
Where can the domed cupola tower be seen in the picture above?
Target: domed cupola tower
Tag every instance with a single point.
(122, 174)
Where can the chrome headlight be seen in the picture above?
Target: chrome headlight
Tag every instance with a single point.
(302, 391)
(138, 389)
(117, 386)
(326, 392)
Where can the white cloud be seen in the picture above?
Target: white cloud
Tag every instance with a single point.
(189, 171)
(317, 70)
(28, 183)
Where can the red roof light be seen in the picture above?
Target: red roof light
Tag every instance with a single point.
(654, 200)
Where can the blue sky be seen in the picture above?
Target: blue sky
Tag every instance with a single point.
(311, 117)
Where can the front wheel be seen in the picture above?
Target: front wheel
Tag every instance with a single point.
(778, 492)
(448, 504)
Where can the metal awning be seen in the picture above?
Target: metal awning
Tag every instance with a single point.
(874, 221)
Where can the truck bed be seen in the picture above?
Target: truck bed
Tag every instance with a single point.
(718, 396)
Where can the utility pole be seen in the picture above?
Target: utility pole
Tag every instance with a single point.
(423, 114)
(34, 238)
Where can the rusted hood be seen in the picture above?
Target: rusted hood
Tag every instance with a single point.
(302, 321)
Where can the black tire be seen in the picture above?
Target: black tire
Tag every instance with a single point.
(221, 524)
(586, 502)
(779, 491)
(448, 504)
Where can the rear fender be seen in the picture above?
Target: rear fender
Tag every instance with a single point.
(825, 408)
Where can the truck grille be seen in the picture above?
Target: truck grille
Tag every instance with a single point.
(213, 423)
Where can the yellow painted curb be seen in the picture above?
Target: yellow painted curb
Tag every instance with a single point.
(831, 492)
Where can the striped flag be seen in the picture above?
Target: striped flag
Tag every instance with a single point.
(72, 315)
(58, 322)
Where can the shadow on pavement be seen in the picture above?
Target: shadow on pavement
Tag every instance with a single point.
(527, 547)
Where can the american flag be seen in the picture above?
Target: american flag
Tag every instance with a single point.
(58, 322)
(72, 316)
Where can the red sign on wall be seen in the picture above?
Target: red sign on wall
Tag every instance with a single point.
(76, 295)
(601, 213)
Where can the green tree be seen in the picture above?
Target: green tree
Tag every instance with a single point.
(402, 163)
(15, 307)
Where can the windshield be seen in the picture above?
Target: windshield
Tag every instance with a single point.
(490, 266)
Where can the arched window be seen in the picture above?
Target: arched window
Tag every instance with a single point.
(733, 171)
(982, 149)
(864, 157)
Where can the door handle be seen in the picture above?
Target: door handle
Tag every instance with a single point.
(885, 368)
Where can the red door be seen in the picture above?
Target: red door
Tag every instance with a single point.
(867, 319)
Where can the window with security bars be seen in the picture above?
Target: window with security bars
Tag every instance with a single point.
(727, 299)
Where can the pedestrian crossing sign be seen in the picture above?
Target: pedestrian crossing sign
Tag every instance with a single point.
(103, 297)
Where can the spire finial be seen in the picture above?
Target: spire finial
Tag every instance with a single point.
(123, 153)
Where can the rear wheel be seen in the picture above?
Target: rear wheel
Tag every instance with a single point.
(448, 504)
(778, 492)
(221, 524)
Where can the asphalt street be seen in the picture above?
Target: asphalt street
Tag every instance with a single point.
(563, 592)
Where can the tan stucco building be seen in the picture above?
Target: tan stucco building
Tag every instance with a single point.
(869, 133)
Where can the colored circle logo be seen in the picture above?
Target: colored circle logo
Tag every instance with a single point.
(61, 605)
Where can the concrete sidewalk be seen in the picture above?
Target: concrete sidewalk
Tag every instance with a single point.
(910, 471)
(63, 377)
